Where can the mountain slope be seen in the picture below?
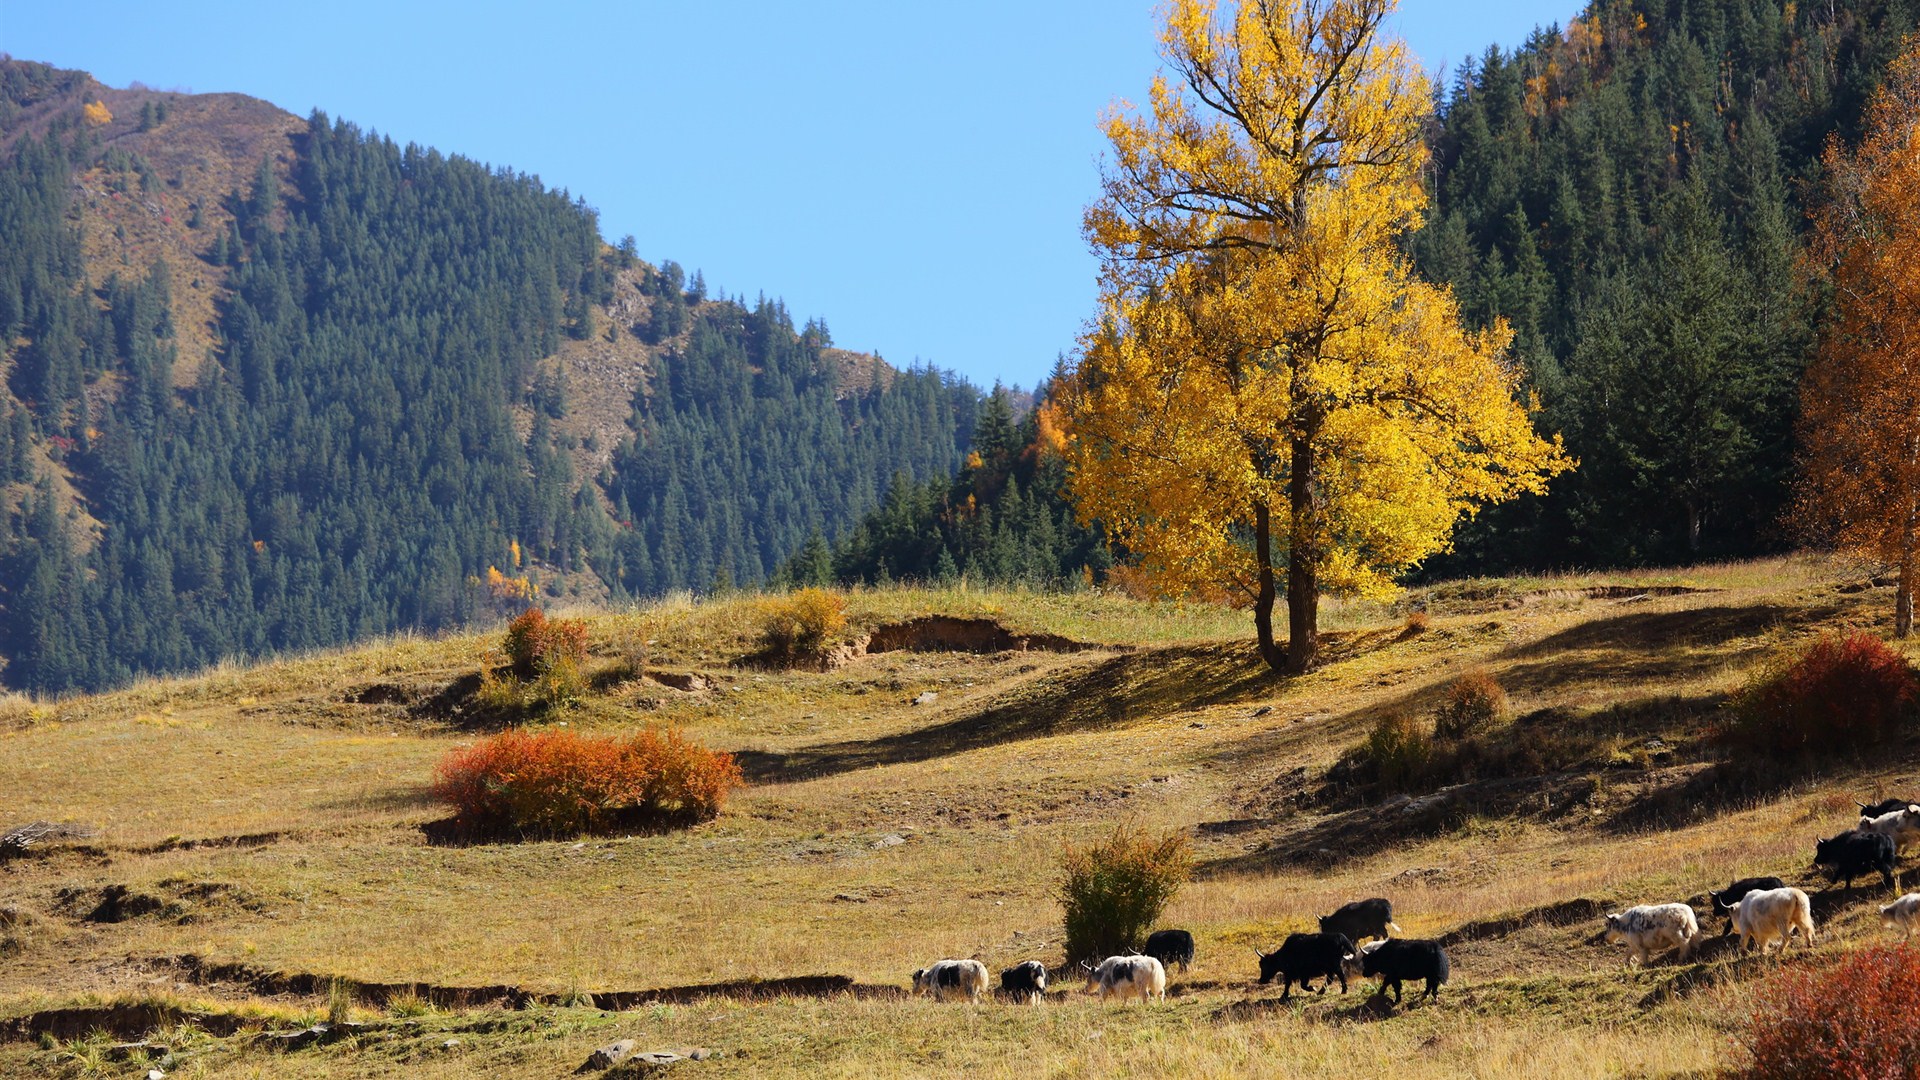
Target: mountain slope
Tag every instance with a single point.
(276, 384)
(1630, 192)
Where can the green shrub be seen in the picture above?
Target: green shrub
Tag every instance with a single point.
(1396, 754)
(802, 622)
(1474, 703)
(1842, 693)
(1113, 891)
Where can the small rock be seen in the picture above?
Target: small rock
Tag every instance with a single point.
(450, 1044)
(850, 898)
(1263, 710)
(890, 840)
(927, 698)
(156, 1074)
(610, 1055)
(1196, 724)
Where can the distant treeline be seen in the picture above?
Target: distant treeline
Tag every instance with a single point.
(347, 462)
(1630, 192)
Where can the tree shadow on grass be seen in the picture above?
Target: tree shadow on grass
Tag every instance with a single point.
(1110, 692)
(1657, 631)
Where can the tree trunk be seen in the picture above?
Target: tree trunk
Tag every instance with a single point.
(1264, 598)
(1903, 592)
(1303, 568)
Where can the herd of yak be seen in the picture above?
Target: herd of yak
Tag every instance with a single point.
(1761, 909)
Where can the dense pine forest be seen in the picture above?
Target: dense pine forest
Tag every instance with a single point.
(1631, 193)
(376, 440)
(378, 436)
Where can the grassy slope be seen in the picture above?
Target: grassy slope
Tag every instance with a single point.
(1021, 753)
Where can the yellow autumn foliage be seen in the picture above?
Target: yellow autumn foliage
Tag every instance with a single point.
(95, 113)
(1267, 381)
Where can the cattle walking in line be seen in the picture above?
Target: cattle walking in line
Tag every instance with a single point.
(1766, 914)
(1654, 928)
(1397, 960)
(1170, 947)
(1025, 982)
(951, 980)
(1361, 920)
(1903, 914)
(1725, 900)
(1853, 854)
(1126, 977)
(1903, 824)
(1305, 957)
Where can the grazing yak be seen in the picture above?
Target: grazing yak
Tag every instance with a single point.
(1766, 914)
(1725, 900)
(1885, 806)
(1170, 947)
(951, 980)
(1305, 957)
(1654, 928)
(1853, 854)
(1025, 982)
(1903, 914)
(1903, 824)
(1361, 920)
(1126, 977)
(1395, 960)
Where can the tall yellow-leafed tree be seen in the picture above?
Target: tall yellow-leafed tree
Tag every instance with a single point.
(1860, 398)
(1268, 391)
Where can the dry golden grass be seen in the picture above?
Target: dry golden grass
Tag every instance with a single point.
(881, 834)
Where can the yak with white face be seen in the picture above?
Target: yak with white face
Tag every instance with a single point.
(1125, 977)
(1767, 914)
(952, 980)
(1654, 928)
(1903, 825)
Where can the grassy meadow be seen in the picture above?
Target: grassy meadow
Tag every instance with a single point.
(257, 823)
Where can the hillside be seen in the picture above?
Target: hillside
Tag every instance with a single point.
(274, 384)
(1631, 192)
(260, 839)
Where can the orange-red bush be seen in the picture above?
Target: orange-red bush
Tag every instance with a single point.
(557, 782)
(1858, 1019)
(1843, 692)
(537, 645)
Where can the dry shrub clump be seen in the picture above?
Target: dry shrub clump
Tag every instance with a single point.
(556, 783)
(1858, 1019)
(802, 622)
(1474, 703)
(1397, 753)
(1113, 890)
(1844, 692)
(545, 657)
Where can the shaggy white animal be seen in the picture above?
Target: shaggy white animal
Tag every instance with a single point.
(1903, 914)
(1767, 914)
(1654, 928)
(1126, 977)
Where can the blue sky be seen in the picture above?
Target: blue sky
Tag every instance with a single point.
(911, 172)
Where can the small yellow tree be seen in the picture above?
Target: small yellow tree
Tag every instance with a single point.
(1860, 399)
(1263, 350)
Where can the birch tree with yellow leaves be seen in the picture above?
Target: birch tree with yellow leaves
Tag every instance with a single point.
(1860, 399)
(1268, 393)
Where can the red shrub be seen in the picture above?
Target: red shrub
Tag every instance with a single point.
(1843, 692)
(1858, 1019)
(557, 782)
(538, 645)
